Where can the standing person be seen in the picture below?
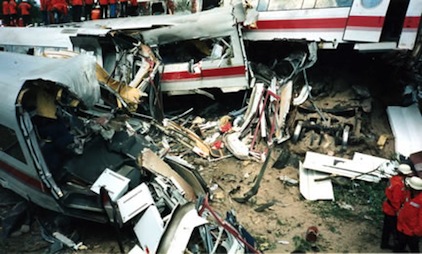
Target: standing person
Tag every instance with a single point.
(76, 10)
(13, 13)
(113, 8)
(88, 9)
(60, 11)
(44, 6)
(24, 9)
(5, 11)
(123, 8)
(409, 218)
(133, 8)
(396, 194)
(104, 9)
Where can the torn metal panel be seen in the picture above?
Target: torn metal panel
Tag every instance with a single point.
(179, 229)
(256, 97)
(286, 92)
(129, 94)
(149, 229)
(314, 190)
(368, 162)
(406, 125)
(152, 162)
(134, 202)
(81, 80)
(136, 250)
(340, 167)
(115, 184)
(187, 172)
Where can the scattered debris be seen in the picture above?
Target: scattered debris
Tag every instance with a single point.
(264, 207)
(254, 190)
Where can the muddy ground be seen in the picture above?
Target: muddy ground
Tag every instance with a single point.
(282, 226)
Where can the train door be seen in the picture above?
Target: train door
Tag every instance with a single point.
(366, 20)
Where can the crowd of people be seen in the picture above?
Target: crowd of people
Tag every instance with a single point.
(403, 211)
(16, 14)
(61, 11)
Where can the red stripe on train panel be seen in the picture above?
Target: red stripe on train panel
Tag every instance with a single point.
(338, 23)
(206, 73)
(411, 22)
(34, 183)
(328, 23)
(366, 21)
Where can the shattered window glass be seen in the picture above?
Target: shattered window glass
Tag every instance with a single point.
(370, 3)
(196, 50)
(278, 5)
(9, 143)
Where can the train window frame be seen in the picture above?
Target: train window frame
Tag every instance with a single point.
(10, 145)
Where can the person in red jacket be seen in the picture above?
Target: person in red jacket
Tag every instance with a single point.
(409, 218)
(396, 193)
(77, 10)
(60, 10)
(5, 11)
(13, 13)
(24, 9)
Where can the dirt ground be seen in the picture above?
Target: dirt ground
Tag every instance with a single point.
(280, 226)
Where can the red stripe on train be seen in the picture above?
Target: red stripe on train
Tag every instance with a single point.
(29, 180)
(327, 23)
(411, 22)
(206, 73)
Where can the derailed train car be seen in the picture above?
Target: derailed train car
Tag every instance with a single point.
(66, 148)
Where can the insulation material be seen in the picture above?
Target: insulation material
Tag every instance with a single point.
(152, 162)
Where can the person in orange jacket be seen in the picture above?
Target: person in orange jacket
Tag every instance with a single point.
(88, 9)
(13, 13)
(77, 10)
(5, 12)
(396, 193)
(409, 218)
(104, 9)
(24, 9)
(60, 10)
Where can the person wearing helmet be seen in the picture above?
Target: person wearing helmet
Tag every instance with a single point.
(409, 218)
(396, 193)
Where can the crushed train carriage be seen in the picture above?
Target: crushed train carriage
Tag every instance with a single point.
(66, 149)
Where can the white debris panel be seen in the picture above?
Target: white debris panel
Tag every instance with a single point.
(364, 168)
(311, 188)
(406, 124)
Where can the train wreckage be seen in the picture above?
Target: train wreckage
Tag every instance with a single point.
(82, 141)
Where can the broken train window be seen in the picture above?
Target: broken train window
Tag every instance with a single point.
(9, 143)
(280, 5)
(196, 50)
